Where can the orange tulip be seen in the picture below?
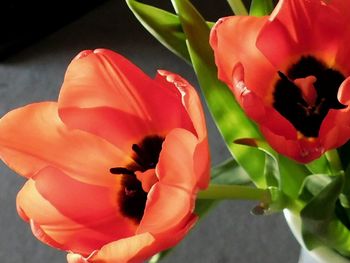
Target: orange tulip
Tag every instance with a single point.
(114, 166)
(290, 73)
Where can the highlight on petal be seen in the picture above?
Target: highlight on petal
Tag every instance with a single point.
(105, 94)
(192, 104)
(233, 41)
(34, 137)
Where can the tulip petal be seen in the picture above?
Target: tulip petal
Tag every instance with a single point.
(192, 104)
(103, 91)
(335, 128)
(256, 108)
(299, 27)
(301, 150)
(344, 92)
(233, 40)
(343, 51)
(127, 250)
(167, 208)
(135, 249)
(176, 160)
(33, 137)
(84, 225)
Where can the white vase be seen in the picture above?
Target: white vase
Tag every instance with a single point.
(318, 255)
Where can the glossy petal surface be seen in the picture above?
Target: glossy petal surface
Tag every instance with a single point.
(107, 95)
(34, 137)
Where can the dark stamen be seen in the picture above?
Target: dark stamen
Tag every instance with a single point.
(121, 170)
(132, 197)
(137, 149)
(289, 100)
(282, 75)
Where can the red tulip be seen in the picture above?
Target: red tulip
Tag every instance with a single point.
(114, 166)
(289, 72)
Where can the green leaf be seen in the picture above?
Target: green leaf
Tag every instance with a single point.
(313, 185)
(319, 223)
(229, 172)
(279, 200)
(238, 7)
(229, 117)
(164, 26)
(344, 154)
(261, 7)
(279, 170)
(337, 236)
(345, 196)
(319, 166)
(322, 206)
(271, 167)
(292, 176)
(272, 171)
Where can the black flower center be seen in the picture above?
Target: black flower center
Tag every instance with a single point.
(303, 107)
(132, 198)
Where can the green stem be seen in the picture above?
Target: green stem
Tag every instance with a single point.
(229, 192)
(334, 161)
(238, 7)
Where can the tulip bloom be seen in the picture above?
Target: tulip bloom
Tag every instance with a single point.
(289, 72)
(114, 166)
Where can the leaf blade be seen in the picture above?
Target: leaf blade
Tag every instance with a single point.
(261, 7)
(163, 25)
(221, 102)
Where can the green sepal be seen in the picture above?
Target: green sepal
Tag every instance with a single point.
(261, 7)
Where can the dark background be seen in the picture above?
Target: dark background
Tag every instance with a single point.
(228, 234)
